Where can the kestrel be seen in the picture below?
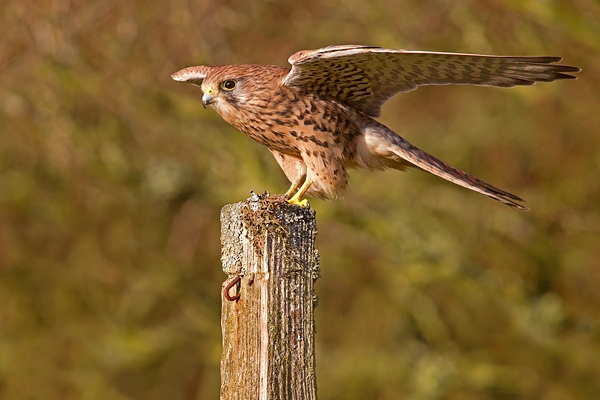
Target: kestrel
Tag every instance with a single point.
(317, 118)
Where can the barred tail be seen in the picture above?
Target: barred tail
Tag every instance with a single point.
(383, 142)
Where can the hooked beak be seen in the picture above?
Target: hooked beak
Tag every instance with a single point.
(207, 98)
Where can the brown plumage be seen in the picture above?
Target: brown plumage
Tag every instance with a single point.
(317, 117)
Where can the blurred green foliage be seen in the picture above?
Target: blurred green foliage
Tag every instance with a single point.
(112, 177)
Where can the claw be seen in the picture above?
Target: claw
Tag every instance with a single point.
(301, 203)
(297, 197)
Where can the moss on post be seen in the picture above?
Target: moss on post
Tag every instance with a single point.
(268, 331)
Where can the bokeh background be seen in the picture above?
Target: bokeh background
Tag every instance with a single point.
(112, 177)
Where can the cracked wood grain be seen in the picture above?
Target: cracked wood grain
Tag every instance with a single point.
(268, 333)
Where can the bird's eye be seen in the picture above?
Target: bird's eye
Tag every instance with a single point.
(228, 85)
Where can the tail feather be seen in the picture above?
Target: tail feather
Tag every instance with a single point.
(401, 151)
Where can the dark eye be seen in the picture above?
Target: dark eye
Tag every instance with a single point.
(228, 85)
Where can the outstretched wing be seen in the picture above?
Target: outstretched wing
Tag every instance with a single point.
(365, 77)
(193, 75)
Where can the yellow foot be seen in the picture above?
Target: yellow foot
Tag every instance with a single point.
(301, 203)
(296, 198)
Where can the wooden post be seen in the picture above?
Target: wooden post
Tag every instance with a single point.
(268, 332)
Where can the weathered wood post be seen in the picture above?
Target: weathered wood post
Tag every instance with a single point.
(268, 300)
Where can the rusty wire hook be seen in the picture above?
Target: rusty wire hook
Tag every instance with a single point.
(231, 284)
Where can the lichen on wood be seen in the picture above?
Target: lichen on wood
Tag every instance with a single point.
(268, 333)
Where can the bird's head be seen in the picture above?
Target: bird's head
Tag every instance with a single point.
(230, 89)
(221, 85)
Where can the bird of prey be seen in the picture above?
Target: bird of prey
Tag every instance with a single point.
(317, 118)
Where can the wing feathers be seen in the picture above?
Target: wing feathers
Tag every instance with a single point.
(193, 75)
(366, 77)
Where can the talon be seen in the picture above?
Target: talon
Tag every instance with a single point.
(301, 203)
(296, 199)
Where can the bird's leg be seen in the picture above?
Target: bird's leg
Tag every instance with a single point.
(296, 198)
(296, 185)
